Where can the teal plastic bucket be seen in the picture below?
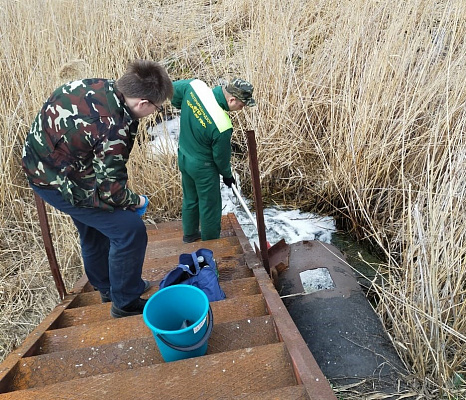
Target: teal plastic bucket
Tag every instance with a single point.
(181, 321)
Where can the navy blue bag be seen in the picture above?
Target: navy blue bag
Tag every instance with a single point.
(203, 276)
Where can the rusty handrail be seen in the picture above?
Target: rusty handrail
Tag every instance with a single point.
(256, 186)
(47, 238)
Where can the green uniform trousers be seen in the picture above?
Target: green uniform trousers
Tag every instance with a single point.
(202, 200)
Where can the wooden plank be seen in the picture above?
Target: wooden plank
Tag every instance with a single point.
(232, 288)
(93, 325)
(214, 376)
(134, 352)
(174, 229)
(297, 392)
(31, 344)
(222, 247)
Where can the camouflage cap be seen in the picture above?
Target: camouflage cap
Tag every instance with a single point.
(242, 90)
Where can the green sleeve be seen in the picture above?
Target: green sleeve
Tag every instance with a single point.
(221, 152)
(179, 89)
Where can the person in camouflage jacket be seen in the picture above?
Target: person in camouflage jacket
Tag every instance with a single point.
(75, 157)
(204, 150)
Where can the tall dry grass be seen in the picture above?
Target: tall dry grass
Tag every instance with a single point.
(360, 115)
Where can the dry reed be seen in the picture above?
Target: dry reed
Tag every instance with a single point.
(360, 115)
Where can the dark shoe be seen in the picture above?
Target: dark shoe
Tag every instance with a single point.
(106, 298)
(134, 308)
(192, 238)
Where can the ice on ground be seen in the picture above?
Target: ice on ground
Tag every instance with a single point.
(316, 279)
(164, 137)
(291, 225)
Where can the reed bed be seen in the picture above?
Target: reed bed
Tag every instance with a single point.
(360, 116)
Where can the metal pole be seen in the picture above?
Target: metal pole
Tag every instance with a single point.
(45, 229)
(254, 167)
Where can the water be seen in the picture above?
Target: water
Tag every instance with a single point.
(291, 225)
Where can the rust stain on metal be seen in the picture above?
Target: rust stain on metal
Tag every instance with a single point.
(48, 244)
(304, 363)
(306, 368)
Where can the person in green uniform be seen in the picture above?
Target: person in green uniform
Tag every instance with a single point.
(204, 150)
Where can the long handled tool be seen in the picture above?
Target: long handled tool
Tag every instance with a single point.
(243, 203)
(246, 209)
(278, 253)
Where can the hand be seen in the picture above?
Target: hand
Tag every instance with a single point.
(141, 210)
(229, 181)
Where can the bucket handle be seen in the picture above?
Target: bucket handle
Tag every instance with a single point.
(197, 345)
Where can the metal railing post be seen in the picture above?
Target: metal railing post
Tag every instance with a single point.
(256, 185)
(47, 238)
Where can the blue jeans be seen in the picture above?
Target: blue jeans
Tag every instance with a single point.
(113, 246)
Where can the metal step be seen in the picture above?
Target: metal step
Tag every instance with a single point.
(222, 247)
(174, 230)
(297, 392)
(93, 325)
(229, 268)
(136, 352)
(214, 376)
(232, 288)
(163, 257)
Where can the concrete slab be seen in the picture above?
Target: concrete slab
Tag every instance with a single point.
(336, 321)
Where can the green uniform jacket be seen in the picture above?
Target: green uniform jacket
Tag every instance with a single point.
(205, 127)
(79, 143)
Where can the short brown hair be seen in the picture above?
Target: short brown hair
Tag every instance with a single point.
(146, 79)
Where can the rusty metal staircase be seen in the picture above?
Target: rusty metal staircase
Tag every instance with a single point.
(255, 350)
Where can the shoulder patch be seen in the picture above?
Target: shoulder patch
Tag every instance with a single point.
(220, 117)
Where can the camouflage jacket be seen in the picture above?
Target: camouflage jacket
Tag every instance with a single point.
(79, 143)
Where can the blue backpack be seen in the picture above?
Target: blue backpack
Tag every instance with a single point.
(203, 276)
